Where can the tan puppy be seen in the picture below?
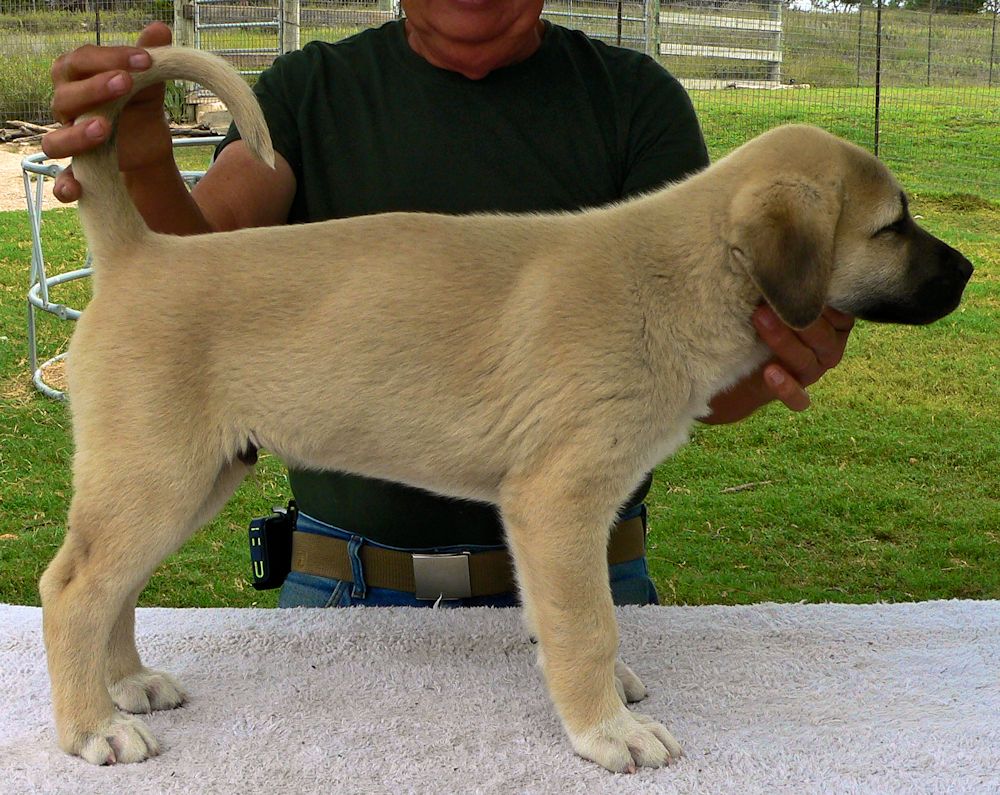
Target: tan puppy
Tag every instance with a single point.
(544, 363)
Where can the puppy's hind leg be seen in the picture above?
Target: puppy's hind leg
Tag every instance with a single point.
(131, 508)
(133, 687)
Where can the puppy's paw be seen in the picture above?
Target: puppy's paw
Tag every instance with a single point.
(629, 686)
(626, 742)
(147, 691)
(121, 739)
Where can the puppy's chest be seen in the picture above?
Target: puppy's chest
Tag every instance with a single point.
(738, 366)
(717, 363)
(706, 385)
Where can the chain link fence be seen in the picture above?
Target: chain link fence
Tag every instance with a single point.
(917, 81)
(918, 86)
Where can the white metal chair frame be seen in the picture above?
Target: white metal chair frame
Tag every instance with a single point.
(35, 170)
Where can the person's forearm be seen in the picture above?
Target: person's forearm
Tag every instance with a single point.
(164, 202)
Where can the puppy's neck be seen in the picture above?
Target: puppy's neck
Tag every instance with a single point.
(696, 300)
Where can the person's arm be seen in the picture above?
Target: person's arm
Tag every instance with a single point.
(237, 191)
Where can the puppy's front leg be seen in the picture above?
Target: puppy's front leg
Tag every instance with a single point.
(629, 686)
(561, 562)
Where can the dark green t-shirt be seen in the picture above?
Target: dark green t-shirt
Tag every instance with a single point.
(368, 126)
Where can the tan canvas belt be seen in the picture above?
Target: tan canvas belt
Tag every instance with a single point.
(450, 576)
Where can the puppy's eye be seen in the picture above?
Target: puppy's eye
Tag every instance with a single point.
(895, 228)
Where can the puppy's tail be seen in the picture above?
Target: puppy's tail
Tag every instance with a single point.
(109, 217)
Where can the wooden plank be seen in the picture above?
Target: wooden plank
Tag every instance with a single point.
(706, 84)
(581, 15)
(773, 56)
(730, 23)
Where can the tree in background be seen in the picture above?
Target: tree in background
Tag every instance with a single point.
(950, 6)
(942, 6)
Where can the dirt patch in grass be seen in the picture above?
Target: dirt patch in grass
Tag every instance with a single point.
(17, 389)
(12, 181)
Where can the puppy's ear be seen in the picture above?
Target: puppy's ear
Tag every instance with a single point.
(782, 233)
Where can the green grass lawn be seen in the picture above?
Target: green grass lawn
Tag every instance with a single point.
(940, 140)
(888, 488)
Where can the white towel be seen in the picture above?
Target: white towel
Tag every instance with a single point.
(764, 699)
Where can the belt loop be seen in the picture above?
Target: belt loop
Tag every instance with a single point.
(644, 515)
(353, 547)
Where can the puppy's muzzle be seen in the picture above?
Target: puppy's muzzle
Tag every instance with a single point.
(938, 274)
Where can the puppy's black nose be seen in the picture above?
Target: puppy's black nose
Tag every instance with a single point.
(964, 268)
(953, 258)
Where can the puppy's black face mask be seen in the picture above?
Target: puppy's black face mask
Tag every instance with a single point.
(936, 275)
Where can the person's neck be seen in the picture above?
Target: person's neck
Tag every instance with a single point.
(478, 59)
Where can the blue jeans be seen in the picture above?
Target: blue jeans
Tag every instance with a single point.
(630, 583)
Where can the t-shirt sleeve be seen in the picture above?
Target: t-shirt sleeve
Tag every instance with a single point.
(665, 142)
(275, 90)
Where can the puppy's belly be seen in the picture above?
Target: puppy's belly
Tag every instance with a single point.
(441, 446)
(441, 468)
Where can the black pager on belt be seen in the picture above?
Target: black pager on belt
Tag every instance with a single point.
(271, 547)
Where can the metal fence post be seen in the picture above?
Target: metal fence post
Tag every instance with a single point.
(289, 12)
(774, 67)
(651, 10)
(861, 16)
(878, 71)
(930, 26)
(183, 36)
(993, 39)
(183, 23)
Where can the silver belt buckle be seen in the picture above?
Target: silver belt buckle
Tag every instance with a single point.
(442, 576)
